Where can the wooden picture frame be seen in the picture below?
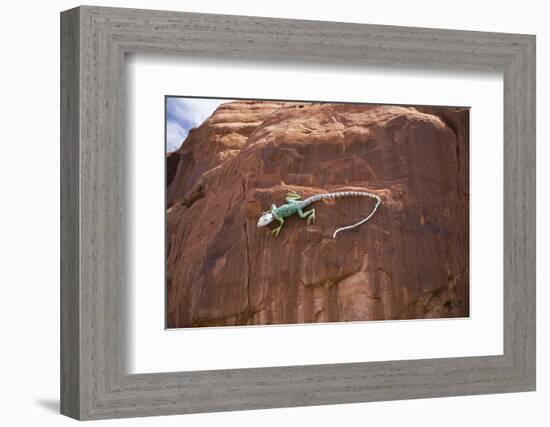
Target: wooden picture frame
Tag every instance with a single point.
(94, 382)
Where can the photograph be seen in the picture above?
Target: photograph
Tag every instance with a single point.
(297, 212)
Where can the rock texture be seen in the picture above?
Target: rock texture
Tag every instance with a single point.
(409, 261)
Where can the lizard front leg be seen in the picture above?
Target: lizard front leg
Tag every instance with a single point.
(273, 207)
(275, 232)
(310, 215)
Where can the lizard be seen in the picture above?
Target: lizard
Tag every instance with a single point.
(294, 205)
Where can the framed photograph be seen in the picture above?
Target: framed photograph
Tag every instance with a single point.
(262, 213)
(323, 163)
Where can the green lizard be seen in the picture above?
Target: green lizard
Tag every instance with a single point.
(296, 205)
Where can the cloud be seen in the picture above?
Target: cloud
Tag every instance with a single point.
(184, 114)
(175, 134)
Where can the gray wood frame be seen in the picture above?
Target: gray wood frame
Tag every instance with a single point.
(94, 382)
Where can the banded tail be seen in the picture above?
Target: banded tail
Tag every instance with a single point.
(339, 194)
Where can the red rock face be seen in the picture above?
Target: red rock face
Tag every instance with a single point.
(409, 261)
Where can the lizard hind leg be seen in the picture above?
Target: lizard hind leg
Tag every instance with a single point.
(310, 215)
(292, 196)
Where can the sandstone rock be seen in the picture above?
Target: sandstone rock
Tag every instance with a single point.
(409, 261)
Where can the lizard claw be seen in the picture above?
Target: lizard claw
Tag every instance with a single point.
(311, 218)
(275, 231)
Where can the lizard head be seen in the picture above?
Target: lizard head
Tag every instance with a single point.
(265, 219)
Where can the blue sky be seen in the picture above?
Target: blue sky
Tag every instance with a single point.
(184, 114)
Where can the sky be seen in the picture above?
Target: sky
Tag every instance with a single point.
(184, 114)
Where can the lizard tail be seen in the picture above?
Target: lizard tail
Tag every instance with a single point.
(339, 194)
(349, 227)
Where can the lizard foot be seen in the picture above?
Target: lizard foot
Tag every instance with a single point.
(275, 232)
(292, 195)
(311, 217)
